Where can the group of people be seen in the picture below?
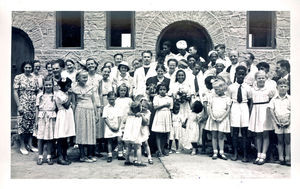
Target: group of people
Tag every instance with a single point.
(143, 107)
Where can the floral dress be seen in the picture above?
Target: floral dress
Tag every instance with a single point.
(26, 88)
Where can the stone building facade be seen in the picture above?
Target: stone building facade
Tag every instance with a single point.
(228, 27)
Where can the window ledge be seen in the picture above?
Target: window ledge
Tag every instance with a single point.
(120, 48)
(70, 48)
(262, 48)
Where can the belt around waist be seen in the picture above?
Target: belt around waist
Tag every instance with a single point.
(258, 103)
(239, 102)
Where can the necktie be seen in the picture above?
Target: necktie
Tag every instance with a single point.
(239, 95)
(196, 84)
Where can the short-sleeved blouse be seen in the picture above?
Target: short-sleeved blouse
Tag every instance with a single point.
(84, 96)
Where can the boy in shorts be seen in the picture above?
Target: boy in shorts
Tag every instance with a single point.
(280, 108)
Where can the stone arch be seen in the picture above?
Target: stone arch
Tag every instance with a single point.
(163, 19)
(193, 33)
(31, 28)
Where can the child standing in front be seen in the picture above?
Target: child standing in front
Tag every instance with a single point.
(176, 128)
(162, 121)
(218, 120)
(112, 119)
(206, 97)
(65, 125)
(123, 103)
(193, 125)
(280, 108)
(241, 96)
(261, 96)
(144, 134)
(45, 119)
(85, 117)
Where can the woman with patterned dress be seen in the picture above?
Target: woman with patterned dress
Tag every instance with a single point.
(25, 89)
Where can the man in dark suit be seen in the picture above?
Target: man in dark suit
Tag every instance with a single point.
(283, 71)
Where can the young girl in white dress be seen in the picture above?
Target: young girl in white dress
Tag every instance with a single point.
(162, 121)
(65, 125)
(123, 103)
(112, 119)
(145, 132)
(206, 98)
(193, 125)
(218, 120)
(261, 96)
(45, 119)
(136, 132)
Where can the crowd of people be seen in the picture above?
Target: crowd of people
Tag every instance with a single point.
(137, 109)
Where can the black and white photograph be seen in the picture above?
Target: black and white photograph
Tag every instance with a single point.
(151, 94)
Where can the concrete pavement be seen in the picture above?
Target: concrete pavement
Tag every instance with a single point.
(203, 167)
(173, 166)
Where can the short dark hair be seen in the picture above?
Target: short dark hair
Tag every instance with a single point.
(264, 65)
(208, 82)
(285, 64)
(240, 67)
(105, 67)
(69, 60)
(147, 51)
(195, 56)
(197, 107)
(94, 61)
(61, 62)
(110, 94)
(161, 85)
(35, 61)
(48, 63)
(118, 54)
(174, 60)
(62, 84)
(25, 63)
(160, 66)
(221, 46)
(251, 55)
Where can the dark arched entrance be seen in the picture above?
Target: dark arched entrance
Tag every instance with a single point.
(192, 32)
(21, 50)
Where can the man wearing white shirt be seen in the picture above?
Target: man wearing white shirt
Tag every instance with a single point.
(234, 58)
(197, 82)
(181, 46)
(220, 48)
(118, 58)
(251, 68)
(143, 73)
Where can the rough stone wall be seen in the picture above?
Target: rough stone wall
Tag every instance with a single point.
(229, 27)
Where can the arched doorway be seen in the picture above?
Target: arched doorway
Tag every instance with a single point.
(192, 32)
(21, 50)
